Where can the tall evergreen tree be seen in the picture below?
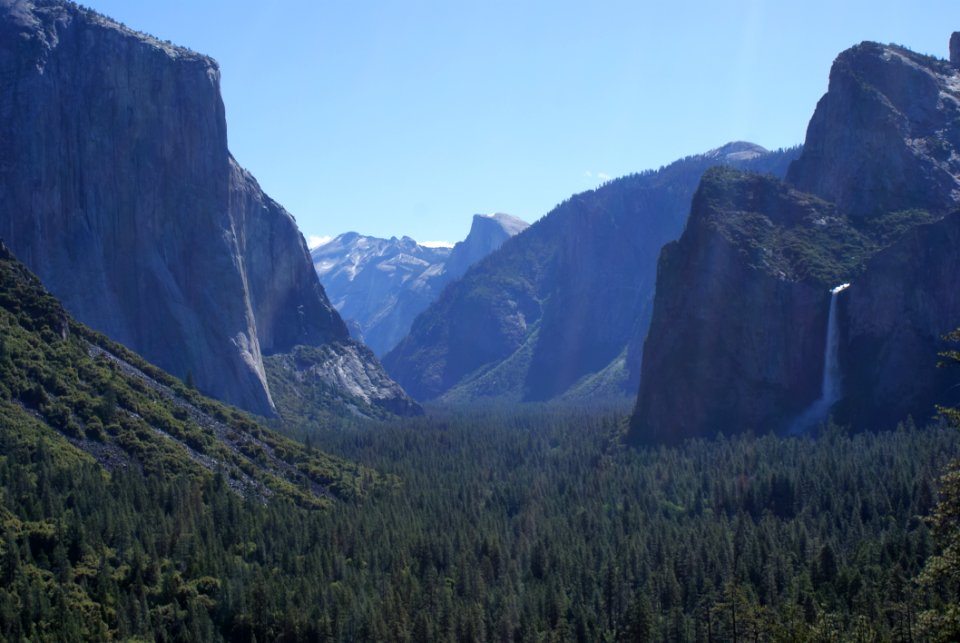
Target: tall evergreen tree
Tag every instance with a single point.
(941, 575)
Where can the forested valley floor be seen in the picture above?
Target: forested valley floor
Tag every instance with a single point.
(525, 526)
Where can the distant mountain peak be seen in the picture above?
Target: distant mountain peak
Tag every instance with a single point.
(737, 151)
(509, 223)
(381, 285)
(487, 233)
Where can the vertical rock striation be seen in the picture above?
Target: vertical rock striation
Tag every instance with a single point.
(118, 190)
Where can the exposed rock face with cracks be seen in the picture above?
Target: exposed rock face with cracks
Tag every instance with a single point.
(119, 191)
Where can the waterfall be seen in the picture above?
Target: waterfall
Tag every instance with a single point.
(830, 389)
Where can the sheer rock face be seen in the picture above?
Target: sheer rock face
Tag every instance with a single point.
(733, 344)
(740, 320)
(118, 190)
(487, 234)
(884, 137)
(955, 49)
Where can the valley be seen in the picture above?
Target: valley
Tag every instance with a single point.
(712, 401)
(500, 526)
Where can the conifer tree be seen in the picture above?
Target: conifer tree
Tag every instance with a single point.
(941, 574)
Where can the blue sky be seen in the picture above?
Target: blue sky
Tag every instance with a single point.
(392, 118)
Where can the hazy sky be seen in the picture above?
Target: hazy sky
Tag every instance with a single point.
(407, 117)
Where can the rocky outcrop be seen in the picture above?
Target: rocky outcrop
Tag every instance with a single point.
(560, 312)
(737, 341)
(119, 191)
(383, 284)
(955, 49)
(740, 311)
(337, 380)
(884, 137)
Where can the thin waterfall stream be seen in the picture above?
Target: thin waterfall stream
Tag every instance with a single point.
(831, 386)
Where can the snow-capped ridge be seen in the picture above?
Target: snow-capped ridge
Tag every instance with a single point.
(382, 284)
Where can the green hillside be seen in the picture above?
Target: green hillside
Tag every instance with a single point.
(91, 400)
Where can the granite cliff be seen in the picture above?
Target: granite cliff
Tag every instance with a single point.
(740, 308)
(381, 285)
(119, 191)
(738, 340)
(487, 233)
(560, 311)
(884, 136)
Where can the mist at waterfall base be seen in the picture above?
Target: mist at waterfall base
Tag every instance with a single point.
(831, 386)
